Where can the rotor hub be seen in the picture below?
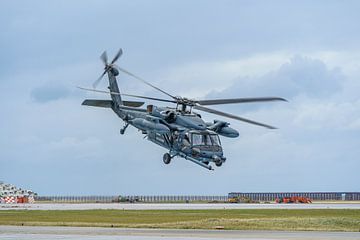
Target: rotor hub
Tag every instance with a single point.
(185, 101)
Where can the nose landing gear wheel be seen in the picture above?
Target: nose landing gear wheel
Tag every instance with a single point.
(166, 158)
(218, 164)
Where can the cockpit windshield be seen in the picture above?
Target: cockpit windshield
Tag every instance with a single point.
(205, 139)
(196, 139)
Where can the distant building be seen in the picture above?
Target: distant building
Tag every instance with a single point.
(7, 190)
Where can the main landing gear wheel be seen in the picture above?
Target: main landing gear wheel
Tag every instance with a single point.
(218, 164)
(122, 131)
(166, 158)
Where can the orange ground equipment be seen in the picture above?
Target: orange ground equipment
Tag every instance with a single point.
(294, 199)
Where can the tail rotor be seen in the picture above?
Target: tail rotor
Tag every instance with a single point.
(108, 67)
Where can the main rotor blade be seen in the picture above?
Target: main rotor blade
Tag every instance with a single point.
(98, 80)
(210, 110)
(118, 54)
(147, 83)
(238, 100)
(127, 95)
(150, 98)
(104, 58)
(98, 91)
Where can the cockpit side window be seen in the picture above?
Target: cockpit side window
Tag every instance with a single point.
(205, 139)
(215, 139)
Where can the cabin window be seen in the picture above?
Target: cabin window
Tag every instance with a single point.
(159, 138)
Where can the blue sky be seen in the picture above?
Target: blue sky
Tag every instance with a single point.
(306, 51)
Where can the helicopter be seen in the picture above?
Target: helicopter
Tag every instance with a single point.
(178, 129)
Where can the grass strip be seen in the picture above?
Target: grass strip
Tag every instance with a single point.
(234, 219)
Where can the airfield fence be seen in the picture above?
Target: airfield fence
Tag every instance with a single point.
(145, 199)
(257, 197)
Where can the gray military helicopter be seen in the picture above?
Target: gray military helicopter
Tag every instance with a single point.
(179, 129)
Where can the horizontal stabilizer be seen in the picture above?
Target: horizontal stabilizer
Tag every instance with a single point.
(132, 103)
(98, 103)
(109, 103)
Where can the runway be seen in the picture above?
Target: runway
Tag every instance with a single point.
(26, 232)
(172, 206)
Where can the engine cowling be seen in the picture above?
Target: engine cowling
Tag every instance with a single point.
(169, 115)
(150, 125)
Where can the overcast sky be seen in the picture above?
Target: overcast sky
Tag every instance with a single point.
(306, 51)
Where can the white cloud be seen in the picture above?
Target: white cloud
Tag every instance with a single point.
(197, 79)
(327, 115)
(189, 79)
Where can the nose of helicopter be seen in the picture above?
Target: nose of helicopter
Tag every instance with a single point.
(213, 151)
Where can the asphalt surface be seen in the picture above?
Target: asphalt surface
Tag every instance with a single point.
(177, 206)
(26, 232)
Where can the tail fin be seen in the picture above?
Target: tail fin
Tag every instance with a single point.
(110, 69)
(113, 86)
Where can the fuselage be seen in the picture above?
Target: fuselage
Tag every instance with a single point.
(183, 134)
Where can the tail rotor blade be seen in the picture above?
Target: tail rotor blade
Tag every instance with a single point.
(118, 54)
(104, 58)
(98, 80)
